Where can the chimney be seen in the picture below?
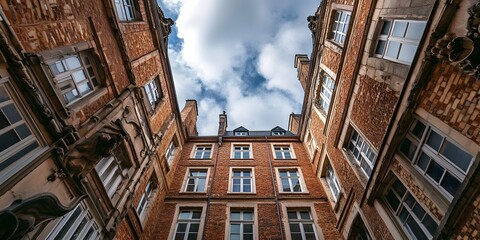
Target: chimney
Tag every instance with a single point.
(189, 117)
(222, 124)
(302, 65)
(294, 122)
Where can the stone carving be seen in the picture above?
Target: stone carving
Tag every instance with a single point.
(464, 51)
(83, 158)
(312, 23)
(24, 215)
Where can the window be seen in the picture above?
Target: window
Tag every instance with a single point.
(170, 152)
(398, 39)
(241, 224)
(77, 224)
(340, 26)
(74, 75)
(290, 180)
(241, 133)
(415, 220)
(125, 10)
(146, 198)
(311, 145)
(301, 224)
(111, 174)
(362, 152)
(359, 230)
(196, 180)
(333, 182)
(282, 152)
(188, 224)
(16, 138)
(203, 152)
(326, 92)
(153, 91)
(278, 133)
(437, 157)
(242, 181)
(241, 151)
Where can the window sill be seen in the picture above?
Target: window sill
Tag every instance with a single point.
(334, 46)
(241, 159)
(153, 111)
(295, 193)
(283, 159)
(193, 193)
(241, 193)
(90, 98)
(200, 159)
(356, 168)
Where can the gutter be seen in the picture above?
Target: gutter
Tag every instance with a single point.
(209, 196)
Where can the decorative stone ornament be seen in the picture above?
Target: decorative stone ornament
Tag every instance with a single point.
(23, 215)
(464, 51)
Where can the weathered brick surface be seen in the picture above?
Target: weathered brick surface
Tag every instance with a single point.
(138, 39)
(147, 69)
(268, 227)
(331, 59)
(469, 225)
(189, 117)
(124, 232)
(217, 216)
(327, 220)
(372, 109)
(453, 97)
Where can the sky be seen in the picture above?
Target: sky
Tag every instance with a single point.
(238, 56)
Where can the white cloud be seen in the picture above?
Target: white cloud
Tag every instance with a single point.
(219, 37)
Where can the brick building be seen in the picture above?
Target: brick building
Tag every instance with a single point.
(93, 144)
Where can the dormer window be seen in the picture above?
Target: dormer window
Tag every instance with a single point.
(278, 131)
(240, 131)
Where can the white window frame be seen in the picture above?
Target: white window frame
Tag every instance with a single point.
(326, 93)
(366, 156)
(332, 181)
(278, 133)
(251, 177)
(282, 149)
(188, 177)
(422, 148)
(122, 7)
(242, 222)
(241, 133)
(387, 38)
(145, 199)
(112, 176)
(403, 205)
(86, 67)
(289, 177)
(301, 222)
(197, 147)
(311, 144)
(171, 151)
(70, 223)
(342, 20)
(154, 92)
(28, 142)
(242, 151)
(176, 221)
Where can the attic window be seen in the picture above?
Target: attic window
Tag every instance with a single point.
(241, 133)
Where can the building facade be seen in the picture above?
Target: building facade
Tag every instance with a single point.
(390, 116)
(89, 119)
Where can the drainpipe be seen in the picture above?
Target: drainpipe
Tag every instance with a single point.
(211, 187)
(279, 218)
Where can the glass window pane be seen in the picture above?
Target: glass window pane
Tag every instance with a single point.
(399, 188)
(407, 52)
(418, 130)
(184, 215)
(423, 161)
(450, 183)
(3, 121)
(392, 49)
(192, 236)
(385, 27)
(304, 215)
(292, 215)
(456, 155)
(194, 227)
(235, 215)
(380, 47)
(414, 229)
(415, 30)
(308, 227)
(294, 227)
(196, 214)
(8, 139)
(392, 200)
(418, 211)
(11, 113)
(435, 171)
(23, 131)
(248, 228)
(248, 215)
(429, 224)
(399, 29)
(72, 62)
(408, 148)
(434, 140)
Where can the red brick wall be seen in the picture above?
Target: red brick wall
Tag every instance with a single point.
(469, 226)
(331, 59)
(372, 109)
(138, 39)
(453, 97)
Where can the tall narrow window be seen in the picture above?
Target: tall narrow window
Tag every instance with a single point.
(301, 224)
(398, 39)
(146, 198)
(242, 181)
(125, 10)
(290, 180)
(154, 93)
(111, 174)
(16, 138)
(362, 152)
(241, 151)
(74, 75)
(170, 152)
(326, 92)
(196, 180)
(203, 152)
(415, 220)
(188, 224)
(77, 224)
(241, 224)
(333, 182)
(282, 152)
(340, 26)
(437, 157)
(311, 145)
